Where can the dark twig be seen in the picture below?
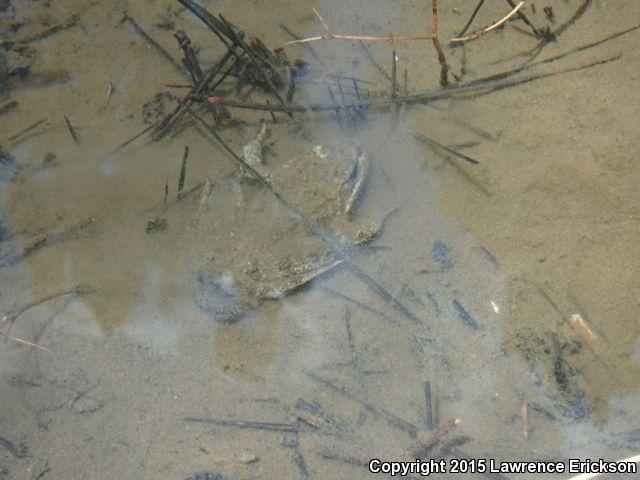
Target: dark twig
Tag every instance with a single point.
(350, 341)
(47, 239)
(257, 64)
(215, 25)
(183, 171)
(224, 145)
(529, 65)
(276, 427)
(373, 61)
(155, 45)
(524, 18)
(27, 130)
(170, 120)
(475, 89)
(360, 304)
(383, 293)
(553, 35)
(44, 33)
(405, 90)
(72, 131)
(132, 139)
(466, 318)
(588, 45)
(472, 18)
(298, 457)
(434, 143)
(394, 83)
(391, 418)
(225, 31)
(428, 404)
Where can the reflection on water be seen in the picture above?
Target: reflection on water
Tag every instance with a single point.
(181, 319)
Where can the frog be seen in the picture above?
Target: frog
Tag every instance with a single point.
(266, 244)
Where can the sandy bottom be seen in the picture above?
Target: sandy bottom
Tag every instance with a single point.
(520, 273)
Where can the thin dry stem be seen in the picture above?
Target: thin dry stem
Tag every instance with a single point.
(324, 24)
(363, 38)
(329, 35)
(11, 317)
(491, 28)
(27, 343)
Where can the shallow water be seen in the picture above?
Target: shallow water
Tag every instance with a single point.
(521, 273)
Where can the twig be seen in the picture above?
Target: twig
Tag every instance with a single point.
(428, 404)
(314, 415)
(391, 418)
(373, 61)
(529, 65)
(27, 343)
(405, 90)
(486, 30)
(394, 83)
(26, 130)
(473, 89)
(155, 44)
(257, 64)
(466, 318)
(421, 449)
(298, 457)
(183, 171)
(553, 35)
(215, 25)
(588, 45)
(132, 139)
(276, 427)
(328, 35)
(44, 33)
(524, 18)
(309, 48)
(72, 131)
(432, 142)
(360, 304)
(174, 117)
(48, 238)
(350, 341)
(383, 293)
(11, 317)
(472, 18)
(444, 68)
(362, 38)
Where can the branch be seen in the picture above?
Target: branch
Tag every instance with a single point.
(329, 35)
(495, 26)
